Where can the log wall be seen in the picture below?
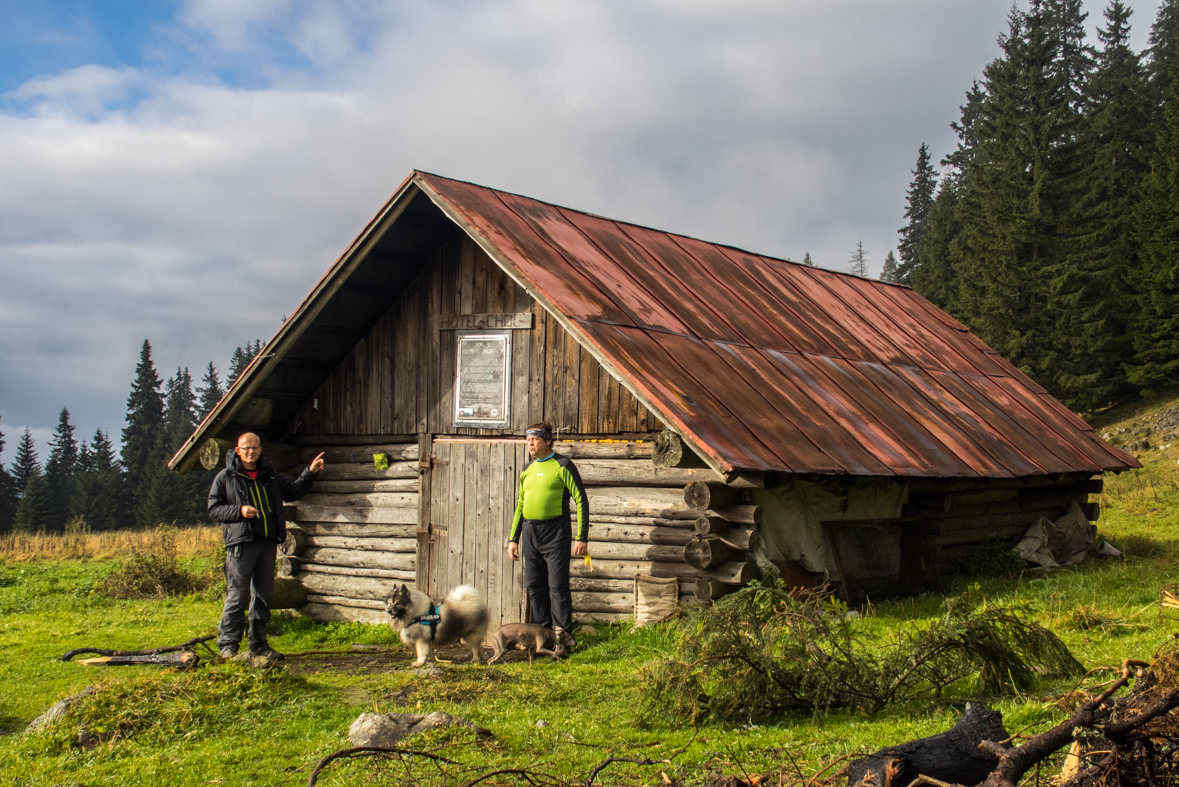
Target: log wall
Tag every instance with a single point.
(399, 379)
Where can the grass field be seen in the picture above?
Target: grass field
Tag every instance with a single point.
(226, 724)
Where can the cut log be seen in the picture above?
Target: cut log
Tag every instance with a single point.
(370, 588)
(703, 496)
(366, 487)
(744, 539)
(712, 525)
(753, 479)
(360, 454)
(361, 531)
(738, 513)
(367, 472)
(213, 453)
(357, 558)
(287, 566)
(337, 613)
(639, 534)
(375, 544)
(626, 569)
(604, 618)
(603, 602)
(633, 501)
(640, 472)
(672, 451)
(708, 552)
(710, 589)
(952, 757)
(357, 516)
(296, 541)
(738, 573)
(362, 500)
(289, 593)
(621, 551)
(352, 571)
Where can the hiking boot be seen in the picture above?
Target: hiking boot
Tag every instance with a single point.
(229, 652)
(267, 652)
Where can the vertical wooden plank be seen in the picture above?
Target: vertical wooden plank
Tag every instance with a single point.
(425, 499)
(440, 525)
(480, 279)
(494, 528)
(554, 395)
(571, 381)
(536, 365)
(421, 373)
(458, 476)
(520, 592)
(446, 348)
(521, 352)
(607, 403)
(430, 367)
(471, 494)
(481, 557)
(466, 280)
(400, 380)
(587, 398)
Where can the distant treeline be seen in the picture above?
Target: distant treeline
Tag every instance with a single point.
(1054, 231)
(105, 488)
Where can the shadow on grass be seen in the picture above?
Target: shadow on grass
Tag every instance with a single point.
(12, 725)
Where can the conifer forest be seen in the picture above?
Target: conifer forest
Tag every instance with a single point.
(1052, 230)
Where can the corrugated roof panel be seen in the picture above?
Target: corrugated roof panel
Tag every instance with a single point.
(695, 284)
(605, 272)
(816, 283)
(682, 399)
(1063, 421)
(540, 264)
(1003, 446)
(825, 446)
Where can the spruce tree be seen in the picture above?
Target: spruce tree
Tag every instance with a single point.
(170, 496)
(1162, 53)
(35, 511)
(26, 461)
(144, 431)
(1156, 280)
(209, 392)
(920, 202)
(858, 264)
(935, 276)
(241, 359)
(60, 468)
(889, 272)
(807, 261)
(95, 496)
(9, 495)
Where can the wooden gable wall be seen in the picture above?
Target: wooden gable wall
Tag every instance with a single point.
(399, 378)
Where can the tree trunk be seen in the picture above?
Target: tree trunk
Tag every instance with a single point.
(213, 453)
(952, 756)
(671, 451)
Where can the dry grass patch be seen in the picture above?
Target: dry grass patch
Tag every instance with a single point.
(78, 543)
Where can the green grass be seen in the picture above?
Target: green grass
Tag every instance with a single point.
(224, 724)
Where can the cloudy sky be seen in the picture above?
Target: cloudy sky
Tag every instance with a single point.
(185, 170)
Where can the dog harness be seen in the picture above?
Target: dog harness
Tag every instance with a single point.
(430, 619)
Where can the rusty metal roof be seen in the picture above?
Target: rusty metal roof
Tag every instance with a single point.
(764, 364)
(759, 363)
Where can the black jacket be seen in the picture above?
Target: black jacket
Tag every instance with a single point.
(232, 489)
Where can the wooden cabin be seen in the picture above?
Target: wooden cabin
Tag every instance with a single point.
(731, 414)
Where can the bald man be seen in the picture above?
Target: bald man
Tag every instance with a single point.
(246, 498)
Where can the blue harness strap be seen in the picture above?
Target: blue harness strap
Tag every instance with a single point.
(431, 618)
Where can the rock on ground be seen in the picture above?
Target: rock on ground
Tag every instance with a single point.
(57, 710)
(386, 729)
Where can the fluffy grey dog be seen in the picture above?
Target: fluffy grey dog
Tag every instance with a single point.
(532, 638)
(462, 616)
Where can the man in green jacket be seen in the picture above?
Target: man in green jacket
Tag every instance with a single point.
(541, 528)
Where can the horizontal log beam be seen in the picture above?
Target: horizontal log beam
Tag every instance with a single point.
(357, 558)
(599, 585)
(626, 569)
(361, 531)
(371, 588)
(338, 613)
(327, 440)
(672, 451)
(362, 500)
(364, 487)
(736, 573)
(702, 496)
(634, 501)
(361, 454)
(604, 618)
(639, 534)
(603, 602)
(640, 472)
(377, 544)
(348, 471)
(352, 571)
(357, 516)
(623, 551)
(706, 552)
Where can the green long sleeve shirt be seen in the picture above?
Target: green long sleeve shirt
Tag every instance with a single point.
(546, 488)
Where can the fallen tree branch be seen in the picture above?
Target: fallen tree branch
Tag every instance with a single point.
(153, 652)
(1119, 731)
(370, 751)
(603, 765)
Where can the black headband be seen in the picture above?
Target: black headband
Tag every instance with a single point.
(543, 434)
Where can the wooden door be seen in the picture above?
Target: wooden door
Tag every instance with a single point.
(473, 487)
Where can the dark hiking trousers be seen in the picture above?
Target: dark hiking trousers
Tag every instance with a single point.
(249, 582)
(545, 546)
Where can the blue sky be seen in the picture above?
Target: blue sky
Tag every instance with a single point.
(185, 171)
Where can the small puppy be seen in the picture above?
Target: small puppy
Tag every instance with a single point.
(462, 616)
(532, 638)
